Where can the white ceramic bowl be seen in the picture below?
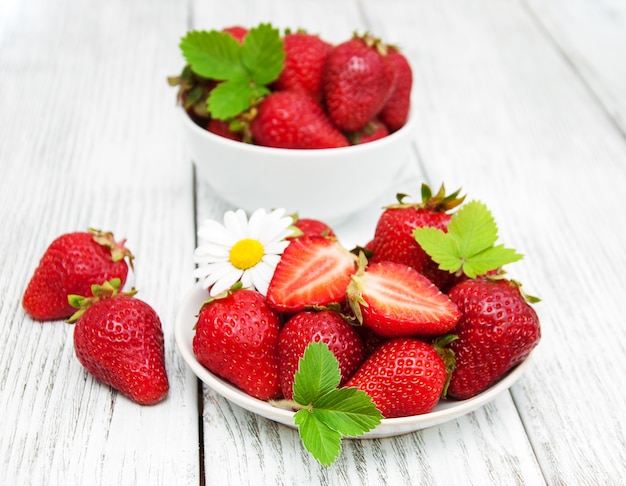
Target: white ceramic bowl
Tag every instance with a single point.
(327, 184)
(445, 410)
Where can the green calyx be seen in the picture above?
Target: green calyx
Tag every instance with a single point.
(447, 355)
(107, 290)
(437, 203)
(118, 249)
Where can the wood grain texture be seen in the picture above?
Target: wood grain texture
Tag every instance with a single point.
(87, 140)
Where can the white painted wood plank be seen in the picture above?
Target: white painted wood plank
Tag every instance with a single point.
(88, 138)
(592, 36)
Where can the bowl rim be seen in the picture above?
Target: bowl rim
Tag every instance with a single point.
(198, 131)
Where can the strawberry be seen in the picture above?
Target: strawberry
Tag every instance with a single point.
(119, 340)
(311, 226)
(393, 237)
(291, 119)
(71, 264)
(325, 326)
(237, 31)
(237, 338)
(222, 128)
(403, 376)
(313, 271)
(396, 110)
(305, 58)
(498, 329)
(357, 83)
(395, 300)
(374, 130)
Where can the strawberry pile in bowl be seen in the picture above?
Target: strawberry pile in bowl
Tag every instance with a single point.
(290, 120)
(418, 326)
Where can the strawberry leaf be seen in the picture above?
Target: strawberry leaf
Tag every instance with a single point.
(328, 413)
(320, 440)
(468, 243)
(214, 54)
(318, 374)
(230, 98)
(262, 54)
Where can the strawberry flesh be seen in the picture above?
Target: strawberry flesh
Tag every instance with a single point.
(396, 300)
(313, 271)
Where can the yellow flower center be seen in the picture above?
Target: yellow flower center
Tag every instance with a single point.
(246, 253)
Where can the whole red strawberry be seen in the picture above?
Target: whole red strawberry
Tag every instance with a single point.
(393, 237)
(237, 339)
(374, 130)
(312, 271)
(403, 376)
(71, 264)
(358, 81)
(324, 326)
(119, 340)
(311, 226)
(294, 120)
(498, 329)
(395, 300)
(396, 110)
(305, 58)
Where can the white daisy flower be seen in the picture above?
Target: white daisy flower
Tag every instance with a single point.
(241, 249)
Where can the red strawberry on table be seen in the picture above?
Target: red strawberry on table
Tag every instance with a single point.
(396, 110)
(498, 329)
(119, 340)
(396, 300)
(393, 237)
(313, 271)
(294, 120)
(358, 81)
(71, 264)
(237, 338)
(324, 326)
(305, 58)
(403, 376)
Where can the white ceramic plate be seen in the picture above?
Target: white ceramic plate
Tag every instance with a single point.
(444, 411)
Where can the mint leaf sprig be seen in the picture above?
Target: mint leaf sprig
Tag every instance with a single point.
(244, 70)
(326, 413)
(469, 244)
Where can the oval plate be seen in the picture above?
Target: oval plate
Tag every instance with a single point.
(444, 411)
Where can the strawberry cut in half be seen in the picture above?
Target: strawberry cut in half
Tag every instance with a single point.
(395, 300)
(313, 271)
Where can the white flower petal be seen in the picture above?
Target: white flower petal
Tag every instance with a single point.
(256, 223)
(261, 274)
(237, 223)
(226, 282)
(213, 232)
(276, 247)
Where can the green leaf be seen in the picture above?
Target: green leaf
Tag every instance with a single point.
(473, 228)
(441, 247)
(262, 54)
(349, 411)
(468, 243)
(490, 259)
(320, 440)
(327, 412)
(214, 55)
(318, 373)
(229, 98)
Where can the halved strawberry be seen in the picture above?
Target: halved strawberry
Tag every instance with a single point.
(395, 300)
(313, 271)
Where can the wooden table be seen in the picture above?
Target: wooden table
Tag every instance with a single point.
(520, 103)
